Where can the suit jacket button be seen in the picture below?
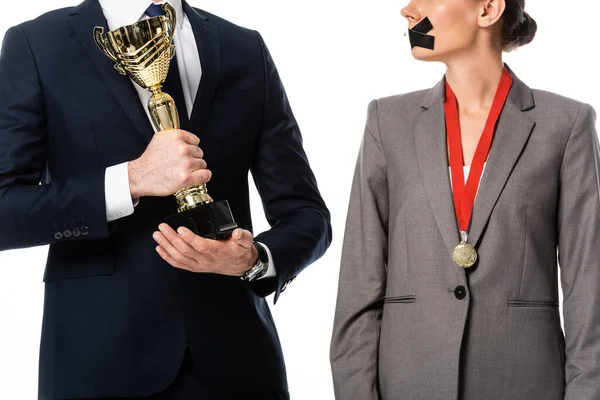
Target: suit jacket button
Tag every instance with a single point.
(85, 230)
(287, 283)
(67, 233)
(76, 232)
(58, 235)
(460, 292)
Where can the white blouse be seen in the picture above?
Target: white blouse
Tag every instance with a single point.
(467, 169)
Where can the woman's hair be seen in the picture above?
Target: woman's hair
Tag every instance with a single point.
(518, 28)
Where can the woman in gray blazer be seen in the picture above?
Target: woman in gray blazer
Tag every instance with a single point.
(415, 319)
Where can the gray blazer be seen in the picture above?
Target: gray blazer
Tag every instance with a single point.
(409, 323)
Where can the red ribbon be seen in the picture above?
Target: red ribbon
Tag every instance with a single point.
(464, 195)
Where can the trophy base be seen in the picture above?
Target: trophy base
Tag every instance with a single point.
(211, 221)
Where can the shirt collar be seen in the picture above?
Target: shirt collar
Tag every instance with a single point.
(131, 11)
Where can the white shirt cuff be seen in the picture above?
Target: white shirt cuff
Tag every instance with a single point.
(117, 192)
(271, 272)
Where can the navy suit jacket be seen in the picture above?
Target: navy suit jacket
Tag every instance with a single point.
(116, 317)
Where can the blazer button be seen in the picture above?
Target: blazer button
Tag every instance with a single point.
(76, 232)
(85, 230)
(287, 283)
(460, 292)
(58, 235)
(67, 233)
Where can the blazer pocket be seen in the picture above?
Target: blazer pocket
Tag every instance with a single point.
(533, 304)
(399, 300)
(75, 259)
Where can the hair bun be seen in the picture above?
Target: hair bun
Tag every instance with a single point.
(523, 32)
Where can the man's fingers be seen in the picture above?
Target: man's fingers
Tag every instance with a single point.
(180, 245)
(165, 238)
(197, 164)
(200, 244)
(242, 238)
(200, 176)
(196, 152)
(189, 138)
(165, 256)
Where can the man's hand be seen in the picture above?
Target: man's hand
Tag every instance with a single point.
(185, 250)
(172, 161)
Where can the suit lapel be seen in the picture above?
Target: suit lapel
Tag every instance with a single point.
(512, 132)
(83, 20)
(208, 41)
(430, 144)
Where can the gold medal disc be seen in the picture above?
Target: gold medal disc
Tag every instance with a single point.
(464, 255)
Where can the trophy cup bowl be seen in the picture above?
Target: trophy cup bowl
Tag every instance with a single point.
(143, 52)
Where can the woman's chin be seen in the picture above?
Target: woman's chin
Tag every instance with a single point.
(422, 54)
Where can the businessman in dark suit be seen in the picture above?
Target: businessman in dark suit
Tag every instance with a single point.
(82, 171)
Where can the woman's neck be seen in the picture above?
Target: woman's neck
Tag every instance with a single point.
(474, 79)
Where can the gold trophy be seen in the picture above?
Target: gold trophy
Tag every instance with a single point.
(143, 52)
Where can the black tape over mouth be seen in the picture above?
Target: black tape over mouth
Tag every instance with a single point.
(419, 37)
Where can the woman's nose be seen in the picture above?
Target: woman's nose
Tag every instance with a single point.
(411, 13)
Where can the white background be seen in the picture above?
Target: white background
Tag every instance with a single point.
(333, 56)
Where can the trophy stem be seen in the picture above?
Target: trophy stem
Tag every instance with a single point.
(156, 89)
(163, 111)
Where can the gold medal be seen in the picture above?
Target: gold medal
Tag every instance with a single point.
(464, 255)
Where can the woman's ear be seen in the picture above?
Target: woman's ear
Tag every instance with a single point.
(490, 12)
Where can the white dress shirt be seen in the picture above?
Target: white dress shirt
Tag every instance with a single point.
(119, 13)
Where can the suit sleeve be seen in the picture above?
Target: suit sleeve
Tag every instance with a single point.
(579, 257)
(300, 222)
(33, 212)
(355, 341)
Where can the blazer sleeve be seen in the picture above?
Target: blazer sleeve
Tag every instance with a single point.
(33, 212)
(300, 222)
(579, 257)
(355, 341)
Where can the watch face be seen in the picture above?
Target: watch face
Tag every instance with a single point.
(262, 270)
(256, 272)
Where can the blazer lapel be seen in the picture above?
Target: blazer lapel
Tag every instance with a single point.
(208, 41)
(512, 132)
(83, 20)
(430, 144)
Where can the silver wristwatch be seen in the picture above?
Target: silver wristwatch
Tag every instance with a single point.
(259, 269)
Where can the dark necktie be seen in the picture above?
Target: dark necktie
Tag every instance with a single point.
(172, 84)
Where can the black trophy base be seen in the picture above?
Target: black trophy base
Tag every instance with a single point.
(211, 221)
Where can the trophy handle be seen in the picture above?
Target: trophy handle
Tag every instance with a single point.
(171, 18)
(103, 45)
